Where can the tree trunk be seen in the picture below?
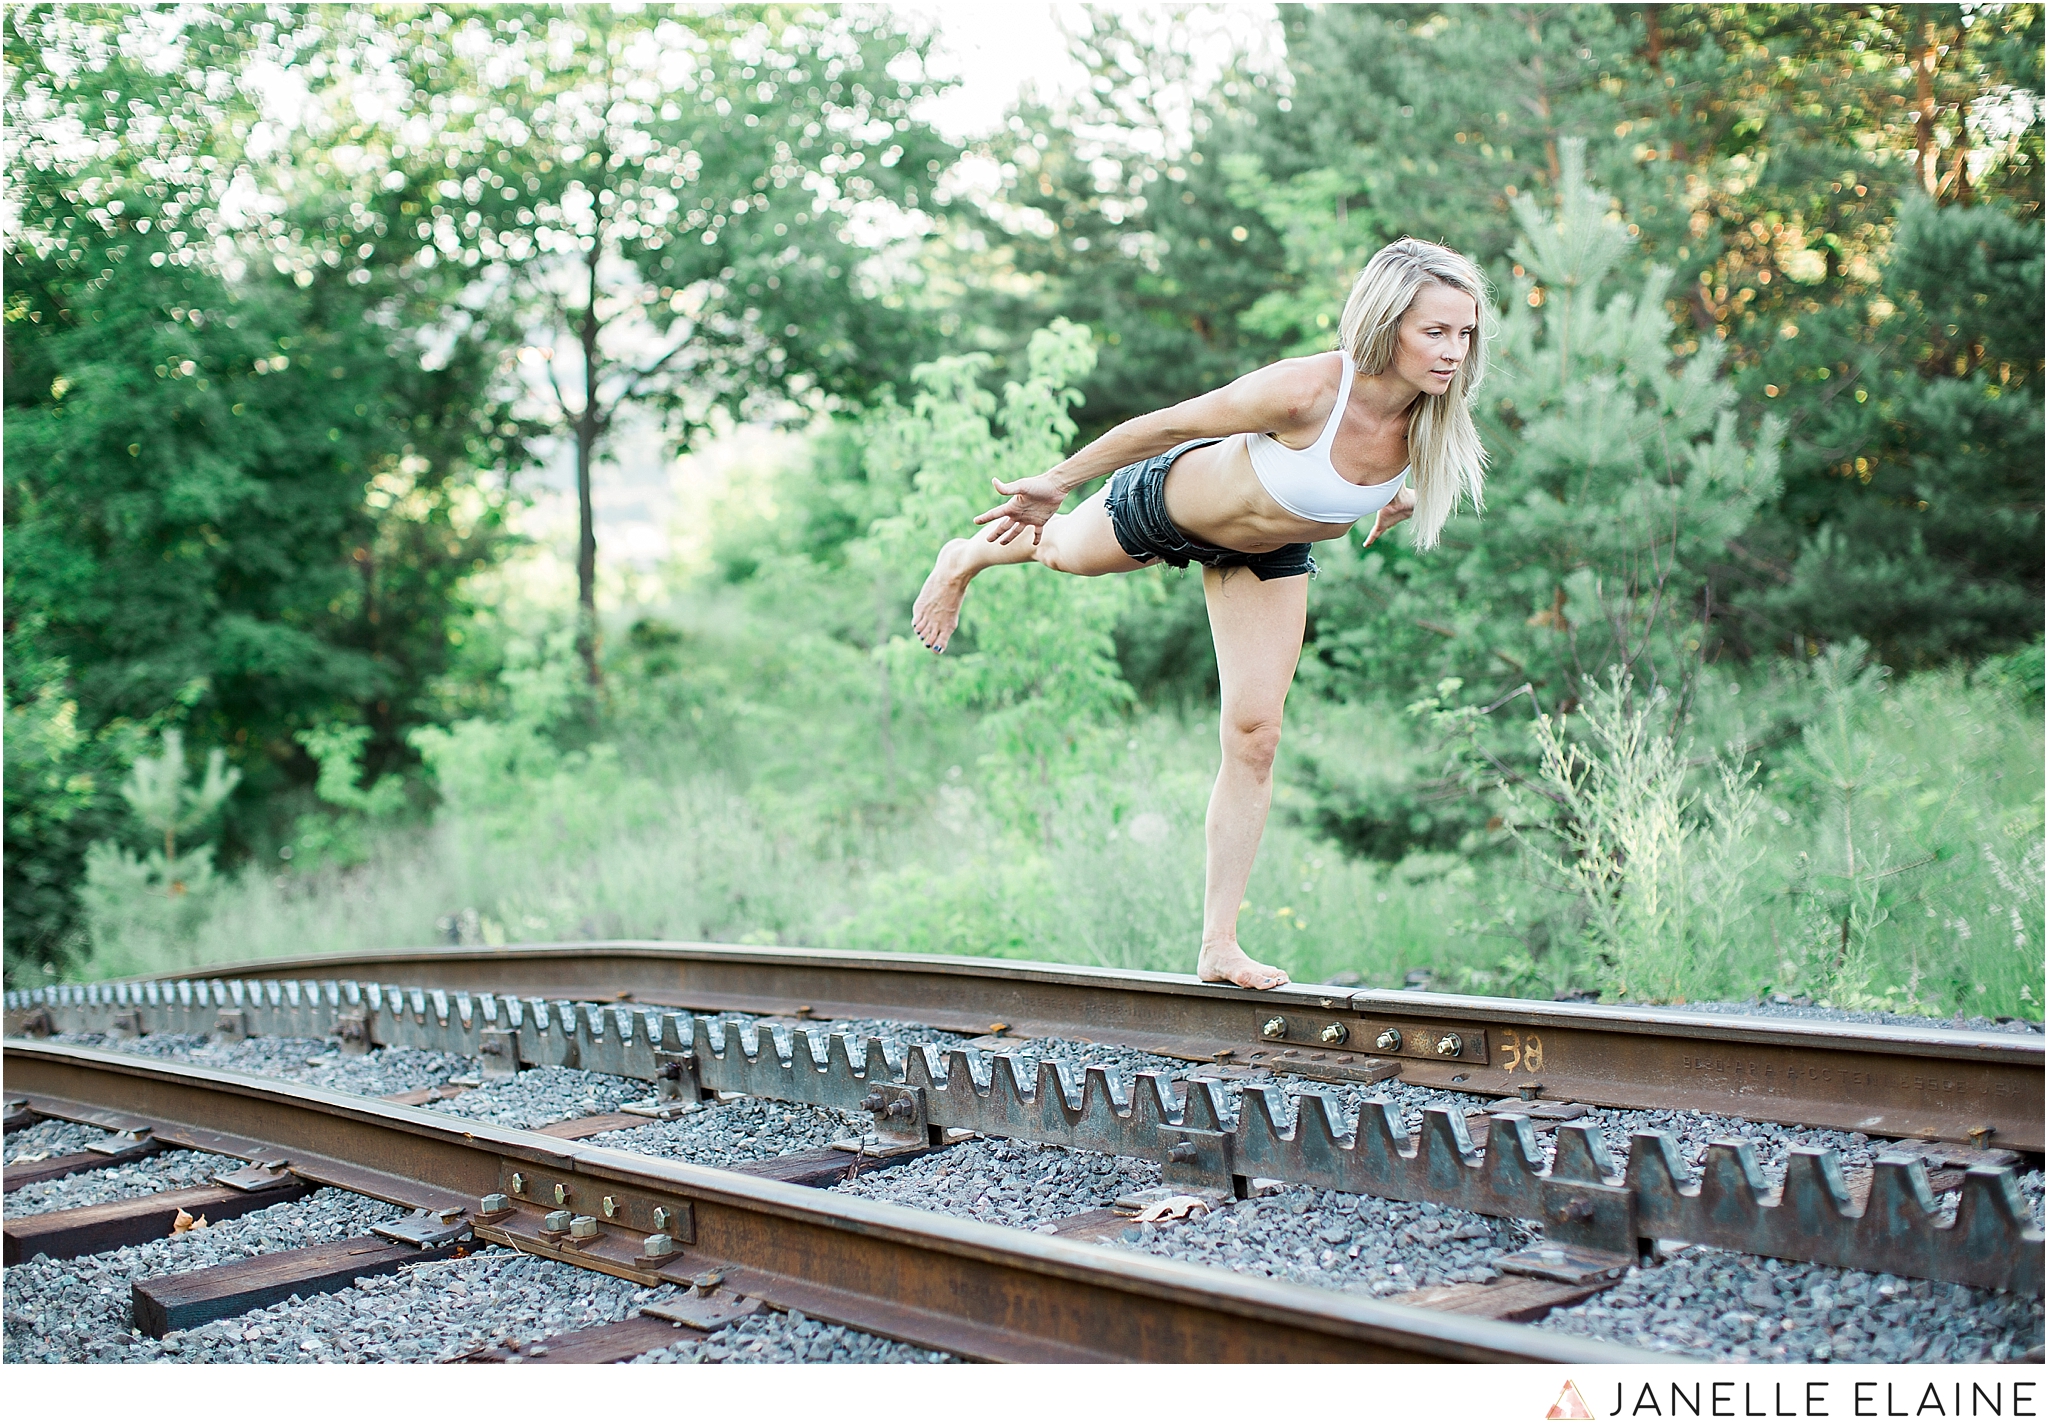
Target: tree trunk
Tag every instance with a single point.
(1923, 92)
(588, 429)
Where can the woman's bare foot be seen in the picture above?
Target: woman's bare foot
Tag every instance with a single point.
(936, 614)
(1229, 964)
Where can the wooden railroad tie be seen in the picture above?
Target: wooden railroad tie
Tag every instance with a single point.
(185, 1301)
(605, 1344)
(93, 1229)
(34, 1172)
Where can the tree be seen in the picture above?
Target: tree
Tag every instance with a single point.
(665, 203)
(239, 493)
(1619, 475)
(1038, 657)
(1912, 513)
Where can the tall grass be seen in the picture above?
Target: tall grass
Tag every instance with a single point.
(1932, 786)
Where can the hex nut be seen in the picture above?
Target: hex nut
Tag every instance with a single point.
(556, 1222)
(1334, 1034)
(1275, 1027)
(496, 1204)
(1388, 1040)
(561, 1193)
(655, 1246)
(1450, 1044)
(661, 1217)
(583, 1227)
(518, 1183)
(610, 1206)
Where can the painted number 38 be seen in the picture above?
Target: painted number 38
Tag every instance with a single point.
(1525, 1053)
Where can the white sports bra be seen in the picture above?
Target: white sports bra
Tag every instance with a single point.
(1306, 482)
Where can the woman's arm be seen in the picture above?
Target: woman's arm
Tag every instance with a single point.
(1279, 397)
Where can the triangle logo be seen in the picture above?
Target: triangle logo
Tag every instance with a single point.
(1570, 1406)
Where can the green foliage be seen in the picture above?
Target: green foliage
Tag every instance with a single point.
(156, 790)
(1655, 864)
(1618, 479)
(1038, 656)
(239, 495)
(659, 201)
(1768, 383)
(1911, 516)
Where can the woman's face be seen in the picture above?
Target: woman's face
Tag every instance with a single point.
(1437, 333)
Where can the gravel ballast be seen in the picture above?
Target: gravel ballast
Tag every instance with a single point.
(774, 1337)
(172, 1170)
(1699, 1302)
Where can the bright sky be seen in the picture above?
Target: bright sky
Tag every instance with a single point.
(996, 47)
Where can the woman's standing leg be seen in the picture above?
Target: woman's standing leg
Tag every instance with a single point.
(1257, 625)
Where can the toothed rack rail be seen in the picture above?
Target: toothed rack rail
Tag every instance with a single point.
(1881, 1080)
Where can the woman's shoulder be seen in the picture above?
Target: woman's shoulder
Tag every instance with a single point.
(1306, 386)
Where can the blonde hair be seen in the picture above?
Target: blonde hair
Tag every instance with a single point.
(1444, 450)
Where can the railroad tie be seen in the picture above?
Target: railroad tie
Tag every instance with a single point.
(613, 1343)
(117, 1224)
(175, 1302)
(124, 1148)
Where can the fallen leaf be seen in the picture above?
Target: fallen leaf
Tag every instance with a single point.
(1180, 1207)
(183, 1223)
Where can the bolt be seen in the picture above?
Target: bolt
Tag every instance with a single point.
(672, 1071)
(561, 1193)
(1579, 1211)
(518, 1184)
(704, 1283)
(1276, 1027)
(1450, 1044)
(610, 1206)
(662, 1218)
(655, 1246)
(557, 1222)
(874, 1101)
(1183, 1153)
(902, 1107)
(583, 1227)
(1388, 1040)
(496, 1204)
(1333, 1035)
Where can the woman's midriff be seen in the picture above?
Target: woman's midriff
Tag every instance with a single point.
(1213, 496)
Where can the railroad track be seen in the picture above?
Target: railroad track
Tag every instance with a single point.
(1941, 1203)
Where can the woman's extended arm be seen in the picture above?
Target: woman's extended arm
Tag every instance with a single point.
(1274, 398)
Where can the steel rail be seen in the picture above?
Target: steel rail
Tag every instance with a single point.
(919, 1096)
(1892, 1082)
(979, 1291)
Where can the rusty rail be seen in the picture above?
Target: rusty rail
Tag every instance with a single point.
(1893, 1082)
(975, 1290)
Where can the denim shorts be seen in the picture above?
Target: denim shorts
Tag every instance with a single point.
(1137, 513)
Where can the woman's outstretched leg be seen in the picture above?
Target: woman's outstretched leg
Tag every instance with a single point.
(1081, 542)
(1257, 625)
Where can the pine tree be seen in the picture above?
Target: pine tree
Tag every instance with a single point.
(1619, 476)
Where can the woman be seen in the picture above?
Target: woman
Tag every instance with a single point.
(1242, 480)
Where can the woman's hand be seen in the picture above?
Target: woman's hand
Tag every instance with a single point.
(1032, 503)
(1392, 514)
